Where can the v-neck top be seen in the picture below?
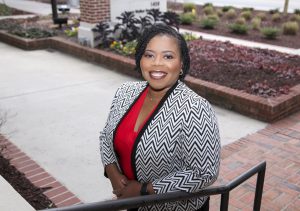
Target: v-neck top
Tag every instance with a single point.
(125, 135)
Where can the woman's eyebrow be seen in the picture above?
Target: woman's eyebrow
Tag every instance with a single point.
(166, 51)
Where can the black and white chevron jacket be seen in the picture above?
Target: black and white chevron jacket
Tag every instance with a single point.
(178, 149)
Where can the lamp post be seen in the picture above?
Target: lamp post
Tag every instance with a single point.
(56, 19)
(286, 5)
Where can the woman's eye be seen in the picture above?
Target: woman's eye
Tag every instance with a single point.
(168, 56)
(148, 55)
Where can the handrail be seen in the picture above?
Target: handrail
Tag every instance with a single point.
(142, 201)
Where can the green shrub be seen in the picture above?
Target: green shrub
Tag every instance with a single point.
(295, 17)
(262, 16)
(226, 8)
(31, 33)
(208, 23)
(256, 22)
(208, 5)
(189, 36)
(297, 11)
(187, 18)
(238, 28)
(214, 17)
(273, 11)
(231, 13)
(5, 10)
(290, 28)
(270, 32)
(246, 14)
(247, 9)
(219, 12)
(276, 17)
(188, 7)
(208, 10)
(240, 20)
(8, 24)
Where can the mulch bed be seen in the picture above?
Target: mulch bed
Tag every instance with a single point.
(261, 72)
(32, 194)
(291, 41)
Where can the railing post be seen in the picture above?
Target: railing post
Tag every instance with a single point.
(224, 201)
(259, 189)
(54, 9)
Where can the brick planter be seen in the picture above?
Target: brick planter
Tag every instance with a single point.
(265, 109)
(25, 44)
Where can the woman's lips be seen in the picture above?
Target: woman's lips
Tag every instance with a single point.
(157, 75)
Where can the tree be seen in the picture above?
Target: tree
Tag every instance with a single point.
(286, 4)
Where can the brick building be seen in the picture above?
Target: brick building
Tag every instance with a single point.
(94, 11)
(91, 13)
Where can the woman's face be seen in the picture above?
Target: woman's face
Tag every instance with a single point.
(161, 62)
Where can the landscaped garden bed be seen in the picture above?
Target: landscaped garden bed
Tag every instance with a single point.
(270, 27)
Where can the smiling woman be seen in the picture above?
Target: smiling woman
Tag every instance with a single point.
(161, 136)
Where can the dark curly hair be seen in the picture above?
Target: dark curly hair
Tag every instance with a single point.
(162, 29)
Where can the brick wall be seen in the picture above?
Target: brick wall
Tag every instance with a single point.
(94, 11)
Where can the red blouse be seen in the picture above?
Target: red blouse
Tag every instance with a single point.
(125, 135)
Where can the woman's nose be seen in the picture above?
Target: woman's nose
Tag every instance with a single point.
(157, 60)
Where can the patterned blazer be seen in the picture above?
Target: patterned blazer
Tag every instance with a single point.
(178, 149)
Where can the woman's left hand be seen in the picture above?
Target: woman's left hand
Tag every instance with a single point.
(132, 189)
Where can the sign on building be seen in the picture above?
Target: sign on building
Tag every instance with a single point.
(117, 7)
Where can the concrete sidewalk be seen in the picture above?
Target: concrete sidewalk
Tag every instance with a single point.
(34, 7)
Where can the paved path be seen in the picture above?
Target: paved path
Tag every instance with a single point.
(34, 6)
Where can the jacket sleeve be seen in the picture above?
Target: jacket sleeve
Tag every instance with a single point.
(200, 153)
(107, 152)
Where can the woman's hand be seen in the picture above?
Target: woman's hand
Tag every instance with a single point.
(132, 189)
(118, 180)
(118, 183)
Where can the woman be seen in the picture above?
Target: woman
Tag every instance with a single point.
(160, 136)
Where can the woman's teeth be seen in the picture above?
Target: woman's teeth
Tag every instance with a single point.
(157, 74)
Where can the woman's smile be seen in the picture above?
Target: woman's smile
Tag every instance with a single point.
(157, 75)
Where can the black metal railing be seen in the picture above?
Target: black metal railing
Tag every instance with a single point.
(142, 201)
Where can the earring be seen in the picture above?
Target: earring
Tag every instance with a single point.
(181, 72)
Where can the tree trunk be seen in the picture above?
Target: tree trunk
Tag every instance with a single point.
(286, 5)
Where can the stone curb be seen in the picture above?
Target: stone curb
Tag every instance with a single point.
(264, 109)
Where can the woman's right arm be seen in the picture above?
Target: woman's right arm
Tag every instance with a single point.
(108, 156)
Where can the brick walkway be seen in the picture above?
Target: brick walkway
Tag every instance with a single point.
(279, 145)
